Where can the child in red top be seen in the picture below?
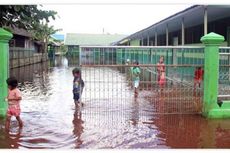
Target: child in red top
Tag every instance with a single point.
(14, 97)
(198, 77)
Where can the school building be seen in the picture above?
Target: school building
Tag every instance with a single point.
(74, 40)
(184, 28)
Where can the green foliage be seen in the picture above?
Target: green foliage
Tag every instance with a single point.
(23, 16)
(63, 48)
(30, 18)
(43, 32)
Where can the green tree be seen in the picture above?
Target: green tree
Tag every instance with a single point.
(30, 18)
(42, 32)
(23, 16)
(64, 48)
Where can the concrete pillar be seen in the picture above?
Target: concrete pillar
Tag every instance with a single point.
(182, 32)
(5, 36)
(211, 109)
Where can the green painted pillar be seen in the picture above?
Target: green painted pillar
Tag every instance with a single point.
(211, 109)
(5, 36)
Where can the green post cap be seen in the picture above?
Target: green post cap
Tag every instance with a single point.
(212, 38)
(5, 36)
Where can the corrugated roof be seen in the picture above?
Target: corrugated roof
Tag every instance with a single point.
(58, 37)
(20, 31)
(91, 39)
(51, 42)
(162, 21)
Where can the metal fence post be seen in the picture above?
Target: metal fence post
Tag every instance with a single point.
(5, 36)
(211, 109)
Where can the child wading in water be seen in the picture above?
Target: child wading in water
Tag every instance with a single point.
(136, 77)
(14, 97)
(198, 77)
(161, 72)
(129, 71)
(78, 85)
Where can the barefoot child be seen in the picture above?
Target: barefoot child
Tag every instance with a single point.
(161, 72)
(198, 77)
(78, 85)
(136, 76)
(14, 97)
(129, 71)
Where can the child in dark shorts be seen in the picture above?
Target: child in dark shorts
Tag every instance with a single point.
(78, 85)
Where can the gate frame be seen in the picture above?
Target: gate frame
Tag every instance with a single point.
(212, 42)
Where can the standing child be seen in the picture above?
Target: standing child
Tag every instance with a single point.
(14, 97)
(78, 85)
(161, 72)
(136, 77)
(129, 71)
(198, 77)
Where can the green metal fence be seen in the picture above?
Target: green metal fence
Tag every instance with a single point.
(103, 64)
(224, 73)
(191, 56)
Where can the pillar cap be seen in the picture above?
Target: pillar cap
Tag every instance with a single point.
(5, 36)
(212, 39)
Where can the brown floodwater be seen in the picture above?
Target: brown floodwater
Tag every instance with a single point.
(122, 121)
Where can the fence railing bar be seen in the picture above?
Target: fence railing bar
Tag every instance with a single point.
(224, 48)
(223, 96)
(224, 53)
(146, 47)
(143, 65)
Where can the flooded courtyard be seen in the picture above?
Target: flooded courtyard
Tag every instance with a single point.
(121, 121)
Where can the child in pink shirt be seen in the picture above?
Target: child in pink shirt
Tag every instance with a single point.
(14, 97)
(161, 72)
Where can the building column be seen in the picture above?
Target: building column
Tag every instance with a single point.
(167, 35)
(182, 32)
(205, 20)
(148, 41)
(155, 37)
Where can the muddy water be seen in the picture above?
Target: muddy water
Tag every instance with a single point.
(50, 119)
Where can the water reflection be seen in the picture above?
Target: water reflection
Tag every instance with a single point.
(78, 128)
(215, 134)
(30, 72)
(61, 62)
(52, 122)
(180, 131)
(193, 131)
(12, 139)
(135, 112)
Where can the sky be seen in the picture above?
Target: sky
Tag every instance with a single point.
(113, 19)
